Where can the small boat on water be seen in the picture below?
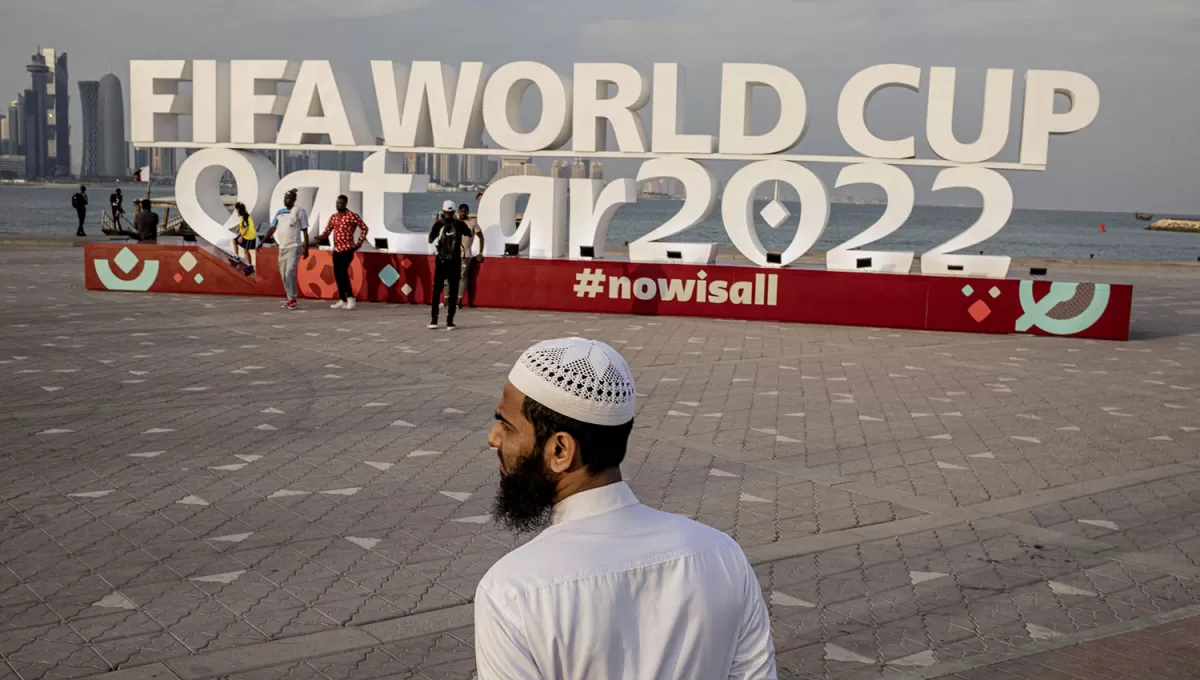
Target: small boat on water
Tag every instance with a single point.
(1144, 217)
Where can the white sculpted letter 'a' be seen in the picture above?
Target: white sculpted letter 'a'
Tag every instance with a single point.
(154, 100)
(198, 191)
(322, 105)
(543, 227)
(737, 84)
(852, 109)
(383, 185)
(255, 102)
(594, 109)
(1040, 119)
(502, 107)
(442, 107)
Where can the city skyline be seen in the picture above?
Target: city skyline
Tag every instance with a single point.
(1140, 154)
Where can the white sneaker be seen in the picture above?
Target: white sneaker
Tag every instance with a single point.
(350, 303)
(338, 305)
(432, 325)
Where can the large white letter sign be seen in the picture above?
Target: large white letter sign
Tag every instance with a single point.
(939, 120)
(443, 107)
(154, 100)
(737, 84)
(383, 185)
(667, 113)
(210, 101)
(997, 197)
(321, 106)
(592, 207)
(593, 106)
(502, 107)
(900, 199)
(255, 103)
(700, 197)
(1041, 121)
(737, 209)
(198, 191)
(543, 227)
(852, 109)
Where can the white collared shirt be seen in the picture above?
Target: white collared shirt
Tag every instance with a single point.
(614, 589)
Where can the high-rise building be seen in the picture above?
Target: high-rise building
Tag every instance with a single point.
(58, 103)
(516, 166)
(37, 157)
(579, 169)
(162, 162)
(596, 170)
(16, 126)
(560, 168)
(89, 109)
(447, 169)
(4, 134)
(113, 158)
(477, 169)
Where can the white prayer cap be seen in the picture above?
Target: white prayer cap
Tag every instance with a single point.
(582, 379)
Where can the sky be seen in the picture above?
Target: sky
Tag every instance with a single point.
(1142, 153)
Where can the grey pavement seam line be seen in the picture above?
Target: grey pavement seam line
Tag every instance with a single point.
(289, 650)
(1069, 640)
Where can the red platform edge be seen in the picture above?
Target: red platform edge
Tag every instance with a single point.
(906, 301)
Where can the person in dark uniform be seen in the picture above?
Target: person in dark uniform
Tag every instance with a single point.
(114, 202)
(79, 202)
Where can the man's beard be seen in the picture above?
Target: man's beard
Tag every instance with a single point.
(525, 501)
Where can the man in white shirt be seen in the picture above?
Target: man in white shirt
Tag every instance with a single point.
(472, 253)
(289, 227)
(610, 588)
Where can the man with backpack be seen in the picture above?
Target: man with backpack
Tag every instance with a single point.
(447, 233)
(79, 202)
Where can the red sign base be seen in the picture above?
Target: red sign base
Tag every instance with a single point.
(909, 301)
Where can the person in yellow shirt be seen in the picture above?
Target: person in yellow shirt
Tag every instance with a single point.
(247, 237)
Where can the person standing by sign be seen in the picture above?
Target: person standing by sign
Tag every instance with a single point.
(79, 201)
(145, 222)
(342, 225)
(472, 252)
(447, 233)
(115, 199)
(247, 236)
(610, 588)
(289, 228)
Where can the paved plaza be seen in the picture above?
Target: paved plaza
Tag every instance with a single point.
(206, 487)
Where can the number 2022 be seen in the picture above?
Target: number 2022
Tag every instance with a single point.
(737, 205)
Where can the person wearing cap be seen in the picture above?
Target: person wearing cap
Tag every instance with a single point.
(447, 233)
(289, 228)
(610, 588)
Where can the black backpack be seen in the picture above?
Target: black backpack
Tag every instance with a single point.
(448, 243)
(77, 201)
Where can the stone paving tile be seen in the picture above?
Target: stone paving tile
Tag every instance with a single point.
(188, 474)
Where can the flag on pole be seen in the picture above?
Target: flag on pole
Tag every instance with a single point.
(142, 175)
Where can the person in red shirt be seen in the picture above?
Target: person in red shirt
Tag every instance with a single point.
(342, 225)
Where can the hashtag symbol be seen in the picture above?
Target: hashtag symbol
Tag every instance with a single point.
(589, 283)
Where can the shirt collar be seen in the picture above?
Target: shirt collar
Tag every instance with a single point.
(593, 502)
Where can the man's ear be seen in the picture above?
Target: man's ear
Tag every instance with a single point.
(562, 453)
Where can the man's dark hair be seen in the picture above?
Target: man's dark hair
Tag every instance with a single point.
(464, 206)
(343, 197)
(601, 447)
(146, 203)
